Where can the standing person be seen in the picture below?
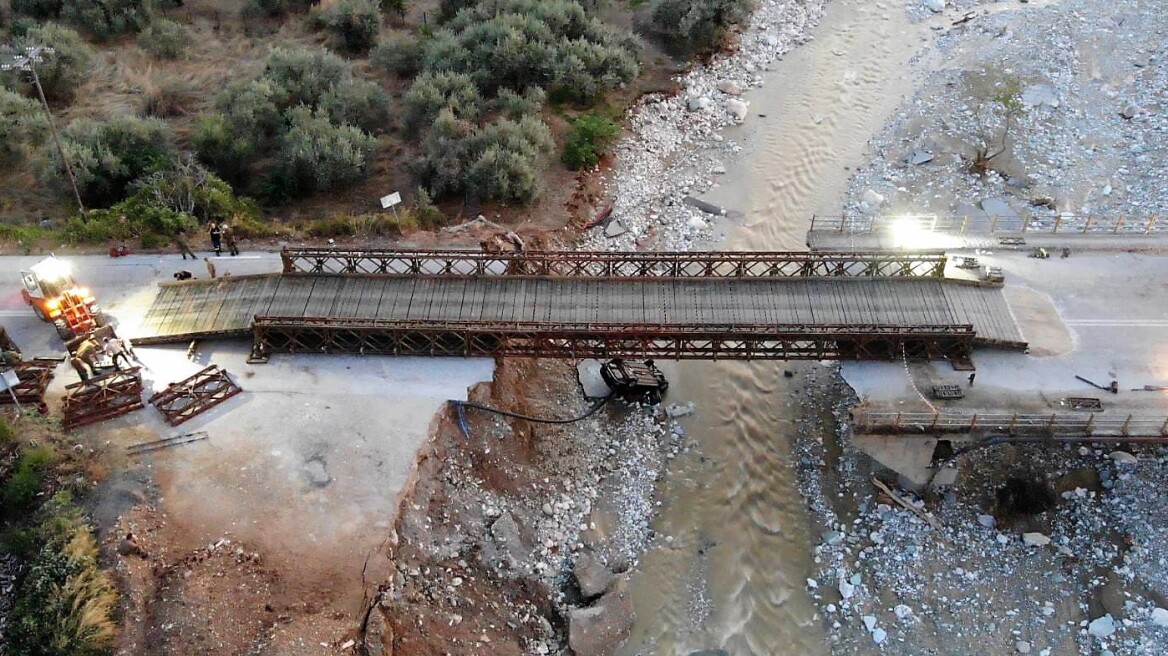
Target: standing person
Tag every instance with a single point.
(216, 237)
(79, 367)
(229, 237)
(971, 377)
(115, 349)
(180, 239)
(210, 266)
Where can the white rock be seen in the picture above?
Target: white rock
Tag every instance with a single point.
(870, 622)
(1123, 458)
(872, 198)
(699, 103)
(879, 635)
(846, 589)
(1160, 617)
(987, 521)
(1023, 647)
(737, 109)
(1101, 627)
(935, 6)
(730, 87)
(902, 611)
(696, 223)
(812, 583)
(1035, 539)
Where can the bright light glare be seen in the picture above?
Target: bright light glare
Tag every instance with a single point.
(912, 232)
(51, 269)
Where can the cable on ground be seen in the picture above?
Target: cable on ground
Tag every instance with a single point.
(461, 406)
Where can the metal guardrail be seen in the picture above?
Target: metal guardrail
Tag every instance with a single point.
(604, 340)
(636, 265)
(1053, 424)
(1063, 224)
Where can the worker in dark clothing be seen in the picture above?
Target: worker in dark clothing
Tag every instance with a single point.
(229, 237)
(216, 237)
(971, 377)
(79, 367)
(180, 240)
(183, 275)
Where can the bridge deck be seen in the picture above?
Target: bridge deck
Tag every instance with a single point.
(226, 306)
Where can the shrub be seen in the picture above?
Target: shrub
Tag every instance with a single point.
(60, 71)
(107, 156)
(65, 603)
(590, 137)
(360, 103)
(398, 54)
(105, 19)
(433, 92)
(353, 24)
(253, 107)
(6, 433)
(219, 146)
(447, 9)
(22, 125)
(25, 483)
(305, 75)
(498, 162)
(166, 39)
(689, 26)
(317, 155)
(426, 211)
(520, 43)
(396, 6)
(516, 106)
(273, 8)
(38, 9)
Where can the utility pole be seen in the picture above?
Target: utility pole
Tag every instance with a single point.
(27, 62)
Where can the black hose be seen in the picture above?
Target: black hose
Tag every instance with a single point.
(591, 411)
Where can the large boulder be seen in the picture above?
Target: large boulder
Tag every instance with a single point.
(603, 627)
(594, 578)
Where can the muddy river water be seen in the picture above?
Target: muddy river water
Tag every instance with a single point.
(733, 574)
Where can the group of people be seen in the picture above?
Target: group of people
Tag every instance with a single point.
(85, 357)
(221, 233)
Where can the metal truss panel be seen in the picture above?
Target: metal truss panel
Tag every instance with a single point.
(195, 395)
(34, 379)
(101, 398)
(635, 265)
(561, 340)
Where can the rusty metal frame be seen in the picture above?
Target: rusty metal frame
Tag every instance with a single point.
(605, 340)
(1013, 424)
(104, 397)
(194, 395)
(637, 265)
(34, 379)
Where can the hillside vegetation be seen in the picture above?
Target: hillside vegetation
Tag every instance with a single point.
(172, 113)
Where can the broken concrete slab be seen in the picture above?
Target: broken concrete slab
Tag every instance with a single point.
(920, 157)
(1040, 94)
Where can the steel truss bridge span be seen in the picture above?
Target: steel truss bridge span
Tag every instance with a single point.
(613, 265)
(678, 341)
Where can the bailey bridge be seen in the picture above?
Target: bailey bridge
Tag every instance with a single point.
(711, 305)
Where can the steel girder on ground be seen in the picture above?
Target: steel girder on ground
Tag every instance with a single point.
(635, 265)
(679, 342)
(194, 395)
(101, 398)
(1013, 424)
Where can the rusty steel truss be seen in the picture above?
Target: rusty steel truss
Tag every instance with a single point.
(569, 340)
(635, 265)
(104, 397)
(35, 377)
(194, 395)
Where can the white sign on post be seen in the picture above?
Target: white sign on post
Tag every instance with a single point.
(390, 200)
(9, 380)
